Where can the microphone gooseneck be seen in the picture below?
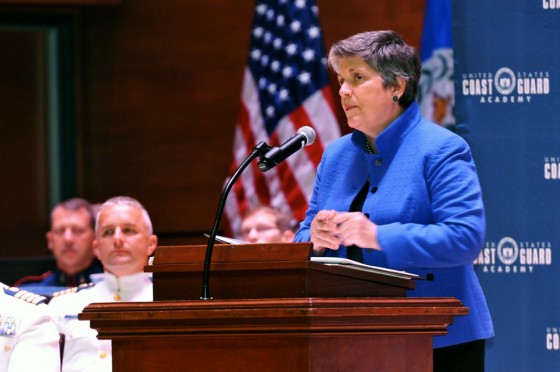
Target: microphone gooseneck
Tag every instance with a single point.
(269, 157)
(305, 136)
(259, 150)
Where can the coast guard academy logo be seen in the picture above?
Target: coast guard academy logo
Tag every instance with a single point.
(504, 81)
(507, 251)
(512, 256)
(505, 85)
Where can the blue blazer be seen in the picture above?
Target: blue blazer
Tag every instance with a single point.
(425, 198)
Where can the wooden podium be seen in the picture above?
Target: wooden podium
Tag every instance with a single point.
(273, 310)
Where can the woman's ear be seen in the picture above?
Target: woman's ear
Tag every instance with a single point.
(398, 89)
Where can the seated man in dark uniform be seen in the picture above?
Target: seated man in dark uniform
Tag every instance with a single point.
(70, 240)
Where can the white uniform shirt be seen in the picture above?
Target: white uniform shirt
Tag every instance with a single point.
(29, 340)
(82, 350)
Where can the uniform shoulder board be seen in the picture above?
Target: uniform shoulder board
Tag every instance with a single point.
(79, 288)
(24, 295)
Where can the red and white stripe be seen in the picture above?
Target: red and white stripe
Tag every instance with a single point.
(289, 185)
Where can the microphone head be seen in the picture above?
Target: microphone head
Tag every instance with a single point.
(308, 133)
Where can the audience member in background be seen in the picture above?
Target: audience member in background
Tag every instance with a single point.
(29, 340)
(70, 240)
(267, 225)
(123, 242)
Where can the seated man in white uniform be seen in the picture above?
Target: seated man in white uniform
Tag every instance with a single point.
(123, 242)
(28, 338)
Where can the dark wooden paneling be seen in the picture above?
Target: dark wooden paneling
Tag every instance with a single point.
(162, 95)
(24, 186)
(162, 85)
(55, 3)
(158, 98)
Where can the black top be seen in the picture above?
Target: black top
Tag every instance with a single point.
(355, 253)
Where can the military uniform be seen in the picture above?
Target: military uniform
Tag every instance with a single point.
(29, 340)
(82, 350)
(56, 280)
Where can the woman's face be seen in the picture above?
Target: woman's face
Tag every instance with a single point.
(368, 105)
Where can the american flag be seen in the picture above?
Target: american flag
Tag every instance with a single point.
(285, 86)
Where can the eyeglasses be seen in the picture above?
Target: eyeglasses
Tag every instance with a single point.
(258, 229)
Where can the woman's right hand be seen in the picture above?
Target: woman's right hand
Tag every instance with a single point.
(323, 231)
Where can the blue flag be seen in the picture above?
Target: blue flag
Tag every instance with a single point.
(436, 94)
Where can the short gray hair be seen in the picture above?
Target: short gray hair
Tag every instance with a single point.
(385, 52)
(128, 201)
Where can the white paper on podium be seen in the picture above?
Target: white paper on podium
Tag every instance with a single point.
(336, 261)
(360, 266)
(224, 239)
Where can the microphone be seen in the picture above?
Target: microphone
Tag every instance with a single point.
(269, 157)
(305, 136)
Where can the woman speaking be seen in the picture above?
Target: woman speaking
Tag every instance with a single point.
(400, 191)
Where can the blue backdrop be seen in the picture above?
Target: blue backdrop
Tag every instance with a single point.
(507, 97)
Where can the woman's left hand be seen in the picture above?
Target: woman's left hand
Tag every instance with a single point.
(354, 228)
